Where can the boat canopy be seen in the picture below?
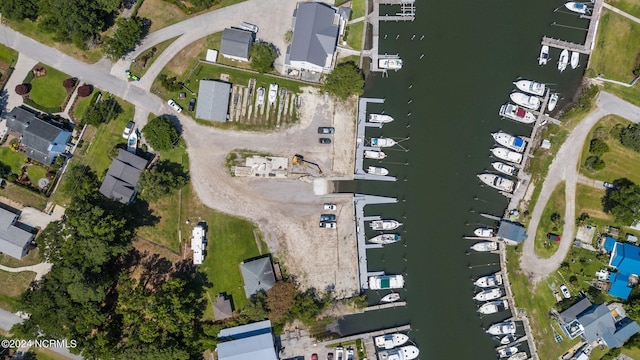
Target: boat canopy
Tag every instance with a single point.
(518, 142)
(520, 112)
(385, 283)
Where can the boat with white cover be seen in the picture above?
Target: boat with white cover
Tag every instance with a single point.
(508, 339)
(382, 142)
(485, 246)
(508, 351)
(381, 282)
(408, 352)
(497, 182)
(531, 87)
(390, 64)
(389, 298)
(504, 168)
(377, 170)
(389, 341)
(503, 328)
(382, 225)
(380, 118)
(374, 154)
(564, 60)
(484, 232)
(519, 356)
(517, 113)
(553, 101)
(544, 55)
(528, 101)
(273, 93)
(575, 59)
(577, 7)
(489, 281)
(507, 155)
(490, 294)
(509, 141)
(493, 307)
(385, 239)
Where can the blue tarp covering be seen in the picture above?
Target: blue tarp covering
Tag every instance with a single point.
(518, 142)
(619, 286)
(609, 242)
(626, 258)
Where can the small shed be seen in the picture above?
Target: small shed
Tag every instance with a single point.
(222, 307)
(213, 100)
(236, 44)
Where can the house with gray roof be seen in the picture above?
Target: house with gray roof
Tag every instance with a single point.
(258, 275)
(236, 44)
(316, 29)
(213, 100)
(247, 342)
(14, 241)
(122, 177)
(43, 140)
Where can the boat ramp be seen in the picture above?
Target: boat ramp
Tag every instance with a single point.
(361, 146)
(589, 42)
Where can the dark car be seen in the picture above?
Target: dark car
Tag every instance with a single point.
(327, 217)
(325, 141)
(192, 104)
(326, 130)
(554, 237)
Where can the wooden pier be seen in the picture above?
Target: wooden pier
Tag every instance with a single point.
(407, 13)
(385, 306)
(589, 41)
(367, 339)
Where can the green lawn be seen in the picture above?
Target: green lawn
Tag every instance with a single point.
(15, 160)
(588, 200)
(13, 284)
(357, 9)
(36, 173)
(80, 107)
(139, 70)
(8, 55)
(23, 196)
(162, 13)
(629, 6)
(30, 259)
(47, 90)
(354, 38)
(556, 204)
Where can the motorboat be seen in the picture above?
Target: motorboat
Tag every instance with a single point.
(389, 341)
(509, 141)
(497, 182)
(380, 118)
(503, 328)
(493, 307)
(517, 113)
(504, 168)
(260, 97)
(374, 154)
(381, 225)
(490, 294)
(390, 64)
(382, 142)
(507, 155)
(577, 7)
(575, 59)
(484, 232)
(385, 239)
(408, 352)
(564, 60)
(519, 356)
(508, 351)
(382, 282)
(389, 298)
(377, 170)
(489, 281)
(273, 93)
(485, 246)
(553, 101)
(528, 101)
(544, 55)
(508, 339)
(531, 87)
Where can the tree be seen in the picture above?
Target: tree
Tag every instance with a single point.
(262, 56)
(170, 83)
(74, 20)
(162, 180)
(23, 89)
(19, 9)
(630, 137)
(280, 299)
(345, 80)
(102, 112)
(161, 133)
(598, 147)
(594, 163)
(624, 203)
(128, 33)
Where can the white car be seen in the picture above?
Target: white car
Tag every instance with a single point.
(565, 291)
(174, 106)
(128, 129)
(328, 224)
(331, 207)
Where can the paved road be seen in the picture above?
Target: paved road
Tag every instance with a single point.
(564, 168)
(40, 269)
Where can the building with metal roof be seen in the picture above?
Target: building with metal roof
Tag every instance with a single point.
(625, 258)
(247, 342)
(222, 307)
(14, 241)
(236, 44)
(213, 100)
(122, 177)
(258, 275)
(511, 232)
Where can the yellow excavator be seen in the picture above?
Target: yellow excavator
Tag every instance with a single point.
(299, 160)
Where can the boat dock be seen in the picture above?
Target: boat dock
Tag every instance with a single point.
(367, 339)
(361, 146)
(359, 202)
(589, 41)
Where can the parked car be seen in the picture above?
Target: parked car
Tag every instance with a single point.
(328, 224)
(554, 237)
(608, 185)
(565, 291)
(330, 206)
(326, 130)
(174, 106)
(314, 356)
(327, 217)
(192, 104)
(249, 27)
(128, 129)
(325, 141)
(330, 356)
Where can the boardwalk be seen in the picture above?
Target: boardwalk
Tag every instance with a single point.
(361, 146)
(589, 42)
(407, 13)
(367, 339)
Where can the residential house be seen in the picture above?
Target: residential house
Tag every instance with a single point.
(258, 275)
(247, 342)
(122, 177)
(43, 140)
(14, 240)
(625, 258)
(236, 44)
(213, 100)
(511, 233)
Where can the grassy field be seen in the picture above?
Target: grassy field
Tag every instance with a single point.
(8, 55)
(588, 201)
(139, 70)
(36, 173)
(543, 246)
(46, 354)
(629, 6)
(80, 107)
(354, 38)
(47, 90)
(13, 284)
(357, 9)
(163, 14)
(12, 158)
(24, 196)
(30, 259)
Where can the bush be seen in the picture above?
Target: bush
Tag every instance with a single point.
(598, 147)
(85, 90)
(102, 112)
(262, 56)
(161, 133)
(170, 83)
(630, 137)
(345, 80)
(69, 84)
(594, 163)
(23, 89)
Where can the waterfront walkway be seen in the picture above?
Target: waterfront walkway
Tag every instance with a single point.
(361, 142)
(589, 42)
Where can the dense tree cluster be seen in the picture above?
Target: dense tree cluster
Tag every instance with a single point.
(630, 137)
(19, 9)
(128, 33)
(162, 180)
(170, 83)
(345, 80)
(262, 56)
(102, 111)
(161, 133)
(623, 202)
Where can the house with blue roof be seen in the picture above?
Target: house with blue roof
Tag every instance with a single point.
(625, 258)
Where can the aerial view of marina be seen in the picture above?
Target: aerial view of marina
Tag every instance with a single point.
(339, 180)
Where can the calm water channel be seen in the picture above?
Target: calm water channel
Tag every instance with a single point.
(473, 50)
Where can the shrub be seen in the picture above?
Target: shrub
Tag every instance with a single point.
(161, 133)
(102, 112)
(630, 137)
(69, 83)
(598, 147)
(23, 89)
(85, 90)
(170, 83)
(594, 163)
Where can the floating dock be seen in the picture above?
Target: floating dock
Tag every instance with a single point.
(407, 13)
(589, 41)
(361, 147)
(367, 339)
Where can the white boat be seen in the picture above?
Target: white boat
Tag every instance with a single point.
(528, 101)
(260, 97)
(504, 168)
(389, 298)
(544, 55)
(409, 352)
(508, 339)
(497, 182)
(531, 87)
(507, 155)
(382, 142)
(374, 154)
(517, 113)
(553, 101)
(575, 59)
(485, 246)
(381, 225)
(390, 64)
(490, 294)
(376, 170)
(489, 281)
(380, 118)
(564, 60)
(577, 7)
(389, 341)
(381, 282)
(483, 232)
(493, 307)
(503, 328)
(385, 239)
(519, 356)
(509, 141)
(508, 351)
(273, 93)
